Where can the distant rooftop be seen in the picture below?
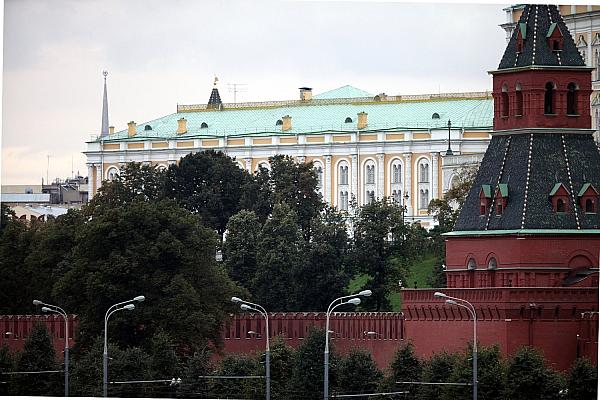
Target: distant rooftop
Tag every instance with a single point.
(332, 111)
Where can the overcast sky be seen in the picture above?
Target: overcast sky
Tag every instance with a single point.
(160, 53)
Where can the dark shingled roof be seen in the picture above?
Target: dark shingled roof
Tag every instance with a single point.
(536, 50)
(530, 181)
(215, 98)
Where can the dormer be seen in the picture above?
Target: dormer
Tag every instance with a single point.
(559, 196)
(555, 37)
(501, 198)
(485, 199)
(588, 198)
(521, 35)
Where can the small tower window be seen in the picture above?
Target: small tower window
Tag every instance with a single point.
(571, 99)
(471, 264)
(485, 199)
(492, 263)
(147, 128)
(519, 99)
(549, 98)
(348, 120)
(435, 116)
(590, 207)
(560, 197)
(204, 125)
(279, 122)
(505, 103)
(560, 206)
(588, 198)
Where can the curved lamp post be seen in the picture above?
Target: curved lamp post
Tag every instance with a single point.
(248, 306)
(353, 299)
(455, 301)
(49, 308)
(129, 306)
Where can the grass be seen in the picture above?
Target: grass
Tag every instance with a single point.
(419, 272)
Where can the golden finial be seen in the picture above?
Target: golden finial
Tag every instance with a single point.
(216, 80)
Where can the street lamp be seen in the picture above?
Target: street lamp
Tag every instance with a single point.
(354, 300)
(455, 301)
(49, 308)
(248, 306)
(129, 306)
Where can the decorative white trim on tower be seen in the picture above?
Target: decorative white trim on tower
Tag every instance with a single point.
(104, 129)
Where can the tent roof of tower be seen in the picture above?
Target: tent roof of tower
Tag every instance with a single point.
(537, 23)
(534, 165)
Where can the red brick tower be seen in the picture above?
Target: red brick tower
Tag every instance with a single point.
(525, 248)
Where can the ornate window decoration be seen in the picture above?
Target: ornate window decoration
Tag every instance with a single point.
(112, 174)
(559, 196)
(369, 181)
(588, 198)
(343, 189)
(318, 167)
(396, 181)
(485, 199)
(423, 171)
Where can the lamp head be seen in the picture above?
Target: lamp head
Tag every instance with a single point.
(236, 299)
(451, 302)
(245, 307)
(46, 309)
(139, 299)
(355, 301)
(365, 293)
(37, 302)
(439, 294)
(129, 307)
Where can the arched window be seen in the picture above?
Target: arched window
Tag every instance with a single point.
(161, 167)
(492, 263)
(147, 128)
(396, 172)
(471, 264)
(204, 125)
(560, 206)
(279, 122)
(504, 109)
(423, 171)
(370, 174)
(319, 172)
(112, 174)
(348, 120)
(589, 206)
(571, 99)
(424, 199)
(263, 165)
(549, 99)
(343, 174)
(519, 100)
(454, 182)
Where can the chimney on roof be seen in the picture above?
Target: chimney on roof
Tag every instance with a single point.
(305, 93)
(131, 128)
(111, 130)
(362, 120)
(287, 123)
(181, 125)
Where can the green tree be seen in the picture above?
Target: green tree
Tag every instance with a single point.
(152, 248)
(5, 215)
(164, 362)
(379, 249)
(582, 380)
(131, 364)
(6, 365)
(438, 368)
(358, 373)
(280, 253)
(37, 355)
(282, 363)
(239, 249)
(296, 184)
(256, 194)
(199, 364)
(209, 184)
(528, 377)
(238, 365)
(325, 273)
(86, 370)
(307, 374)
(405, 366)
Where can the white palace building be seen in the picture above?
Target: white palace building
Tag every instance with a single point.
(363, 146)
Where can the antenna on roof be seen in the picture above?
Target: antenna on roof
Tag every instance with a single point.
(556, 176)
(237, 88)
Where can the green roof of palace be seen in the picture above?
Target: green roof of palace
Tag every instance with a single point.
(325, 114)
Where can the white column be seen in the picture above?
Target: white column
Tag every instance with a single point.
(354, 183)
(327, 180)
(408, 182)
(590, 57)
(380, 173)
(248, 162)
(91, 188)
(434, 175)
(98, 176)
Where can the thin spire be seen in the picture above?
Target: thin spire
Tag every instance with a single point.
(104, 131)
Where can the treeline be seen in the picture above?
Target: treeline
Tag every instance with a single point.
(295, 373)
